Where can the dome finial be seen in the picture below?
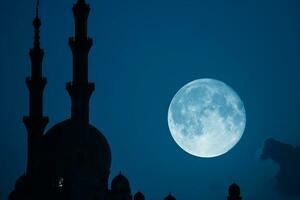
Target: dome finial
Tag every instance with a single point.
(37, 21)
(81, 2)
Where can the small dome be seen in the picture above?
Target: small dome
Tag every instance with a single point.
(170, 197)
(139, 196)
(234, 190)
(21, 183)
(120, 184)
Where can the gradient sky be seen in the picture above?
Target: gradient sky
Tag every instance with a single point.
(143, 52)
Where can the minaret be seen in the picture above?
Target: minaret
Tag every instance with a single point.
(35, 123)
(80, 89)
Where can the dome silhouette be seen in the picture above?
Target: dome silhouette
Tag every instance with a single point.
(170, 197)
(62, 140)
(120, 184)
(75, 160)
(234, 192)
(21, 182)
(139, 196)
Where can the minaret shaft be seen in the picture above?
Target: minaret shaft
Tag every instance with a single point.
(80, 25)
(36, 83)
(80, 89)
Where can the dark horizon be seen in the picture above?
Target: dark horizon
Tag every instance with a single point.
(143, 52)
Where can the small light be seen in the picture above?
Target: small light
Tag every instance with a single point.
(61, 182)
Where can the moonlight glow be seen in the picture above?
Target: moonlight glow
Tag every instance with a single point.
(206, 118)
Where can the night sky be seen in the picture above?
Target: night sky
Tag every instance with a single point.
(144, 51)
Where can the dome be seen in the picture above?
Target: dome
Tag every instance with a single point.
(21, 182)
(170, 197)
(139, 196)
(120, 184)
(72, 156)
(64, 140)
(234, 190)
(21, 190)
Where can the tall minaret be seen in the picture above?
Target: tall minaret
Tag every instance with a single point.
(80, 89)
(35, 123)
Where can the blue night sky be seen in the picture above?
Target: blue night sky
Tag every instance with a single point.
(143, 52)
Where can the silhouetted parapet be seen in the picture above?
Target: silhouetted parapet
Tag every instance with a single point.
(234, 192)
(170, 197)
(22, 190)
(120, 188)
(139, 196)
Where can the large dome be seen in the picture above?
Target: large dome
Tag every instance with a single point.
(84, 158)
(63, 140)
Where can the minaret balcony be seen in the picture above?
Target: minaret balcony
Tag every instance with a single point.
(35, 124)
(36, 84)
(80, 90)
(80, 45)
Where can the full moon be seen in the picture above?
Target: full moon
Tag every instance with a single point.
(206, 118)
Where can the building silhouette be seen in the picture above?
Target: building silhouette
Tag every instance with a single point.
(170, 197)
(139, 196)
(72, 160)
(120, 188)
(234, 192)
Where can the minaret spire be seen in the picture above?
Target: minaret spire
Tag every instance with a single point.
(80, 89)
(35, 122)
(37, 24)
(37, 9)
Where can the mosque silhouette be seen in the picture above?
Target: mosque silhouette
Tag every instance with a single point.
(72, 160)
